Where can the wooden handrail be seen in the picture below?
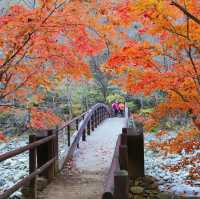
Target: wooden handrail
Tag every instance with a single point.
(95, 115)
(71, 121)
(109, 186)
(83, 126)
(20, 150)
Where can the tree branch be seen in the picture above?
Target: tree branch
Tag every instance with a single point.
(181, 8)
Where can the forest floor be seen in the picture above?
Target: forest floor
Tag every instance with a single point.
(83, 178)
(176, 182)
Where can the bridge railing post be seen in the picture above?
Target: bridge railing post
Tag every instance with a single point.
(56, 151)
(92, 122)
(42, 153)
(101, 114)
(88, 127)
(123, 157)
(121, 184)
(98, 111)
(77, 123)
(95, 119)
(68, 135)
(135, 142)
(30, 190)
(50, 155)
(123, 150)
(84, 135)
(45, 152)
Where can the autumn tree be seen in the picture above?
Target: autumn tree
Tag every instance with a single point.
(166, 58)
(41, 45)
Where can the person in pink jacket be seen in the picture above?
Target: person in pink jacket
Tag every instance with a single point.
(115, 108)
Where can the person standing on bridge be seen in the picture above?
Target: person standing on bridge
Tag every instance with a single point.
(121, 108)
(115, 108)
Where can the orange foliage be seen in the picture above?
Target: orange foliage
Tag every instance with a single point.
(149, 124)
(138, 117)
(184, 140)
(161, 133)
(43, 119)
(2, 137)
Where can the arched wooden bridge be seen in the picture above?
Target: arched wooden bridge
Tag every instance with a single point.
(79, 160)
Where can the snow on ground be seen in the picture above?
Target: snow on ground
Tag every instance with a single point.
(169, 181)
(96, 153)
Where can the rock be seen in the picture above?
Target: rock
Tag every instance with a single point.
(2, 182)
(16, 195)
(164, 195)
(137, 189)
(149, 179)
(154, 185)
(7, 162)
(149, 153)
(41, 183)
(130, 195)
(166, 178)
(138, 182)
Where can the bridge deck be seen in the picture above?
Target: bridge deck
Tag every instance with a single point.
(84, 177)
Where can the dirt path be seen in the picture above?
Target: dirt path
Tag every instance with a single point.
(84, 178)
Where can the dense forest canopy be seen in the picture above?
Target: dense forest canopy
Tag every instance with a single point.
(141, 46)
